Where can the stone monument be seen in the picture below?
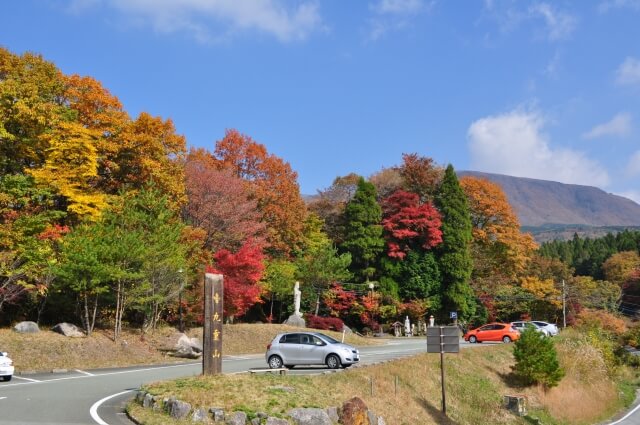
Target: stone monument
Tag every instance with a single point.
(296, 318)
(407, 326)
(296, 299)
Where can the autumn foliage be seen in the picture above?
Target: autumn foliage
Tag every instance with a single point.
(242, 272)
(409, 224)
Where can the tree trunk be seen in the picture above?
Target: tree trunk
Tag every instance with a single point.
(95, 311)
(116, 328)
(318, 304)
(87, 325)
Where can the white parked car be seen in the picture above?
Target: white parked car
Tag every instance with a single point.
(521, 325)
(551, 328)
(6, 367)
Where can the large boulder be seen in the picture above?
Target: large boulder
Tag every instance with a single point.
(309, 416)
(295, 320)
(26, 328)
(184, 348)
(68, 329)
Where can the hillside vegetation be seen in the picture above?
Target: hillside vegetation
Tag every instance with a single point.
(48, 350)
(476, 381)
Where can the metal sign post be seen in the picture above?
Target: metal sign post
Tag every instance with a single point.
(443, 339)
(212, 333)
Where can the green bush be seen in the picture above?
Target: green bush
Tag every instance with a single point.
(536, 360)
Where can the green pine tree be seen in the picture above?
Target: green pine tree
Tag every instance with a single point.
(454, 255)
(363, 231)
(536, 359)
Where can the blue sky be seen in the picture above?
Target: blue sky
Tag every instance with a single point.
(542, 89)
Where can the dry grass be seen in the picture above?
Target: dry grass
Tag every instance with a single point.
(476, 381)
(48, 350)
(474, 390)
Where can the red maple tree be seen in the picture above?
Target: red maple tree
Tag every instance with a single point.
(409, 224)
(337, 300)
(242, 271)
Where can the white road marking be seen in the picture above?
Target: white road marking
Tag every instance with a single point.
(33, 381)
(26, 379)
(84, 373)
(94, 409)
(626, 416)
(2, 398)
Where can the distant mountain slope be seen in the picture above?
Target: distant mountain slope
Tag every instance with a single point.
(541, 203)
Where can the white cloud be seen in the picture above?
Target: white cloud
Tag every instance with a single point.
(619, 126)
(513, 144)
(400, 6)
(390, 15)
(628, 73)
(605, 6)
(209, 20)
(633, 166)
(560, 25)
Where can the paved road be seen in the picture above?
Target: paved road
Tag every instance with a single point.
(632, 416)
(69, 398)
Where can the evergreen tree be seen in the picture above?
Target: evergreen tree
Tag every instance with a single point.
(363, 231)
(421, 278)
(536, 359)
(454, 256)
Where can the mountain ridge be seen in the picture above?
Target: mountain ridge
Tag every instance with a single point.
(544, 203)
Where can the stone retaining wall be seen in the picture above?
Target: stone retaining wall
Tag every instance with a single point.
(352, 412)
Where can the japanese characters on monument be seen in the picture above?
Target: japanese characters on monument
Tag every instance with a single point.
(213, 315)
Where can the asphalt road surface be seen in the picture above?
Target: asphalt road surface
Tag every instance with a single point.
(99, 396)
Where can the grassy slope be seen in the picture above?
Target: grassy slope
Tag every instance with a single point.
(48, 350)
(476, 380)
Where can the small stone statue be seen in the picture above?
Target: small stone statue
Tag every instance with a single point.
(407, 326)
(296, 299)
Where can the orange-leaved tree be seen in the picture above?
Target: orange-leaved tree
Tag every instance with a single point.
(273, 185)
(498, 241)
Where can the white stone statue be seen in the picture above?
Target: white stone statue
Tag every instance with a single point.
(407, 326)
(432, 321)
(296, 299)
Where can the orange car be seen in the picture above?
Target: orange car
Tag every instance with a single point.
(492, 332)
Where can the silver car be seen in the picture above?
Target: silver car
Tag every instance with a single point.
(551, 328)
(309, 348)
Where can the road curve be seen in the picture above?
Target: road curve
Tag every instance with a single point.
(98, 396)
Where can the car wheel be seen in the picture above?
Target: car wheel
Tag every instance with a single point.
(6, 378)
(275, 362)
(506, 339)
(473, 339)
(333, 361)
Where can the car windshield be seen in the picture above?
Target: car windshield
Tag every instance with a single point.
(328, 339)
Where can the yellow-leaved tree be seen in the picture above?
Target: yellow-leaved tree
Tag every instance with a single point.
(71, 168)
